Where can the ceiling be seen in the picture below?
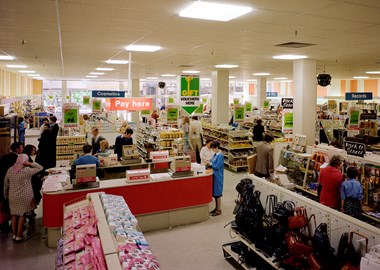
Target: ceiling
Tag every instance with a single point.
(346, 34)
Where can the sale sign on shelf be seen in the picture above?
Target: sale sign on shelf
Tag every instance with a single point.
(129, 104)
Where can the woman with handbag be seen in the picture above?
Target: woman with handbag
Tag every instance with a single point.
(196, 137)
(351, 193)
(217, 165)
(18, 190)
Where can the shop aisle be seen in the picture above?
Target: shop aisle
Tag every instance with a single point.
(197, 246)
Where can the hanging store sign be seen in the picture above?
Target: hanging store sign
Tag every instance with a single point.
(359, 96)
(287, 121)
(129, 104)
(239, 114)
(266, 104)
(354, 118)
(70, 115)
(331, 105)
(86, 100)
(172, 116)
(96, 105)
(107, 94)
(189, 95)
(272, 94)
(145, 113)
(343, 106)
(287, 103)
(199, 110)
(248, 107)
(354, 148)
(171, 100)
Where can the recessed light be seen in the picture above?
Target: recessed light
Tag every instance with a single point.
(232, 77)
(250, 80)
(6, 57)
(91, 76)
(373, 72)
(152, 78)
(38, 78)
(16, 66)
(226, 66)
(214, 11)
(142, 48)
(33, 75)
(289, 57)
(281, 78)
(26, 71)
(105, 69)
(85, 79)
(96, 73)
(191, 71)
(168, 75)
(360, 77)
(261, 74)
(205, 79)
(117, 62)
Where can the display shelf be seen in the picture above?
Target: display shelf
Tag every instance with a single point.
(310, 192)
(69, 146)
(228, 253)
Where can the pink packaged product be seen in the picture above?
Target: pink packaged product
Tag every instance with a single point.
(79, 266)
(67, 224)
(68, 215)
(68, 238)
(68, 248)
(78, 245)
(70, 266)
(69, 258)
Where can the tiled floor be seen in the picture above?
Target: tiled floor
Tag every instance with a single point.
(197, 246)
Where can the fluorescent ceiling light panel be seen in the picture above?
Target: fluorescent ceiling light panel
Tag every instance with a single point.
(360, 77)
(16, 66)
(168, 75)
(281, 78)
(91, 76)
(191, 71)
(232, 77)
(33, 75)
(142, 48)
(6, 57)
(152, 78)
(251, 80)
(214, 11)
(96, 73)
(373, 72)
(117, 62)
(226, 66)
(27, 71)
(38, 78)
(261, 74)
(205, 79)
(289, 57)
(104, 69)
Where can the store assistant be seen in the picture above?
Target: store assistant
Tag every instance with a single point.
(124, 139)
(87, 157)
(206, 152)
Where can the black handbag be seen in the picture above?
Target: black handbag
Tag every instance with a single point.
(283, 211)
(321, 241)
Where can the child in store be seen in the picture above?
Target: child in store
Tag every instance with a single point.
(351, 193)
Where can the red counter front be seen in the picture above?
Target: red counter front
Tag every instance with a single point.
(143, 198)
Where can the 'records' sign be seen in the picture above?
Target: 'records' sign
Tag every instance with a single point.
(354, 148)
(287, 103)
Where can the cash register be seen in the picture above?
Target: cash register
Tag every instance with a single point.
(130, 155)
(181, 167)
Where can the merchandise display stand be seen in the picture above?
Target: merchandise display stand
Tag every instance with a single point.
(68, 146)
(235, 145)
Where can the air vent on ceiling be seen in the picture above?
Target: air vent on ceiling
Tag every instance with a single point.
(295, 44)
(185, 66)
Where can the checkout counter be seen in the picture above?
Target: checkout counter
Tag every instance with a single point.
(159, 201)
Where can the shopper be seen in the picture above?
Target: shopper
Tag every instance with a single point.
(206, 152)
(105, 150)
(351, 193)
(196, 137)
(45, 120)
(258, 131)
(17, 147)
(30, 150)
(124, 127)
(46, 149)
(87, 157)
(54, 127)
(124, 139)
(264, 163)
(155, 116)
(96, 139)
(330, 179)
(18, 190)
(6, 162)
(149, 147)
(83, 126)
(217, 165)
(21, 129)
(186, 127)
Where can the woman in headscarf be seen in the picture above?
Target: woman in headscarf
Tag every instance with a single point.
(18, 190)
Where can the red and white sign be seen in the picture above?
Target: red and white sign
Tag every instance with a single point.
(129, 104)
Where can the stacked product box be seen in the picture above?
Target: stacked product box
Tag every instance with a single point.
(134, 251)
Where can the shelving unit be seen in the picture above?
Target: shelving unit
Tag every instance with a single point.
(236, 146)
(69, 146)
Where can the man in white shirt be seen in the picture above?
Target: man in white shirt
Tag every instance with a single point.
(45, 120)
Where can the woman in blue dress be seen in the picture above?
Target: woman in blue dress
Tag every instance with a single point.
(217, 165)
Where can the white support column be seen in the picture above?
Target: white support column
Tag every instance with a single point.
(220, 97)
(261, 91)
(305, 98)
(64, 92)
(136, 93)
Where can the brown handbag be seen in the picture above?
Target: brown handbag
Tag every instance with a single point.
(353, 258)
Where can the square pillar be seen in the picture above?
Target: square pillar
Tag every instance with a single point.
(261, 92)
(220, 97)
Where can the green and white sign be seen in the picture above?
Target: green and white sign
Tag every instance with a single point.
(199, 110)
(236, 101)
(145, 113)
(189, 95)
(354, 118)
(86, 100)
(96, 105)
(248, 107)
(287, 121)
(171, 100)
(172, 116)
(70, 115)
(239, 114)
(204, 100)
(266, 104)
